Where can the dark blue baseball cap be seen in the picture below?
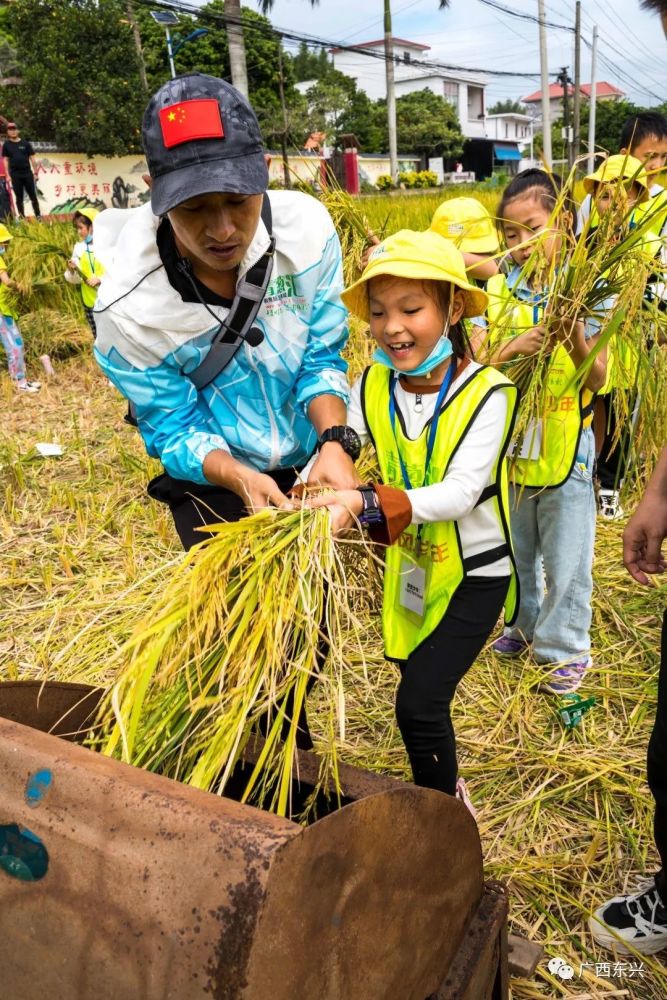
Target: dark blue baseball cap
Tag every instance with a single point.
(201, 136)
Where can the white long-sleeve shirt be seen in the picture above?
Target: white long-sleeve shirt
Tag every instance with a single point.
(469, 472)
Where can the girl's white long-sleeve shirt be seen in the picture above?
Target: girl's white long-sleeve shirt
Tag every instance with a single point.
(469, 473)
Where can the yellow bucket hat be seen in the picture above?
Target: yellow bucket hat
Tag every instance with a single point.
(88, 213)
(467, 223)
(5, 234)
(622, 166)
(422, 256)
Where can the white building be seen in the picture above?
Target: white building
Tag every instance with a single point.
(465, 91)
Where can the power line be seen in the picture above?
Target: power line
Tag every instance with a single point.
(526, 17)
(313, 40)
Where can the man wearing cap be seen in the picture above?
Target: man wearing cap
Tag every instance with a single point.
(19, 160)
(231, 439)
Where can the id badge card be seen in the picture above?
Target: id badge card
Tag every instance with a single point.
(412, 587)
(530, 444)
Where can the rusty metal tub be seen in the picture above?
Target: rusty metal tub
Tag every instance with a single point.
(117, 884)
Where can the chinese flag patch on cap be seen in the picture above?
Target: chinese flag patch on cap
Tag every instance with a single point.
(191, 120)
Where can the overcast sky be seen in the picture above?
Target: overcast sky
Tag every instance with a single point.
(474, 35)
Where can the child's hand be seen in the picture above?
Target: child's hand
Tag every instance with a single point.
(372, 241)
(344, 506)
(93, 282)
(530, 342)
(567, 332)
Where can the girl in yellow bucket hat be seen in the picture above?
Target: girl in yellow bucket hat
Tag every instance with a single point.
(440, 424)
(9, 330)
(84, 268)
(466, 222)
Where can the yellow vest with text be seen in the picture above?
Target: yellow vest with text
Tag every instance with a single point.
(90, 267)
(434, 547)
(568, 407)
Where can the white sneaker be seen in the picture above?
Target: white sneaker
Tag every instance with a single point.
(630, 923)
(26, 386)
(609, 505)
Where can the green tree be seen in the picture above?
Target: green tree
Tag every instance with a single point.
(310, 65)
(80, 75)
(337, 107)
(428, 124)
(506, 107)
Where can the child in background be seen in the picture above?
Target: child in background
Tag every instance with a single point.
(9, 331)
(618, 186)
(553, 504)
(440, 424)
(644, 136)
(466, 222)
(84, 268)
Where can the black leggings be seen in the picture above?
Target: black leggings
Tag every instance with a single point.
(431, 673)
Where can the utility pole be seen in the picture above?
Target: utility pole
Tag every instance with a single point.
(564, 81)
(544, 73)
(592, 107)
(391, 93)
(170, 52)
(283, 134)
(577, 82)
(137, 44)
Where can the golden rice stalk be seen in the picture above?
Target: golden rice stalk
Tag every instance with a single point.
(57, 334)
(37, 261)
(602, 277)
(230, 646)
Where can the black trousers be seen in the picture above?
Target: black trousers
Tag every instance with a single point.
(657, 766)
(25, 184)
(194, 505)
(612, 461)
(432, 672)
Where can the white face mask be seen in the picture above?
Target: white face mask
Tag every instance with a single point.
(3, 249)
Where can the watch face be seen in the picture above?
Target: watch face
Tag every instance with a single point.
(351, 443)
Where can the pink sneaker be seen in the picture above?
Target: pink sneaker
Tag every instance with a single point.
(567, 678)
(506, 646)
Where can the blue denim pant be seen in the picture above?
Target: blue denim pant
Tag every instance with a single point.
(555, 529)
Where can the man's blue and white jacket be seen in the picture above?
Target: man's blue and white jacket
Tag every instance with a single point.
(148, 339)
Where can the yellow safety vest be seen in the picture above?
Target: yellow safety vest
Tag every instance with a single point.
(90, 267)
(550, 447)
(425, 566)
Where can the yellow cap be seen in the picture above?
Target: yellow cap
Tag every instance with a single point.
(422, 256)
(5, 234)
(467, 223)
(621, 166)
(88, 212)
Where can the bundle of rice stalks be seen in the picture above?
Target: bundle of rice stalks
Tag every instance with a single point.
(57, 334)
(39, 255)
(249, 619)
(354, 230)
(600, 279)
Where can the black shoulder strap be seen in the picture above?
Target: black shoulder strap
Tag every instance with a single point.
(250, 292)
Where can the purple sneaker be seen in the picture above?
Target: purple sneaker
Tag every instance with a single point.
(506, 646)
(567, 678)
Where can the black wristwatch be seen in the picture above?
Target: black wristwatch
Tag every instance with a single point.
(372, 512)
(346, 437)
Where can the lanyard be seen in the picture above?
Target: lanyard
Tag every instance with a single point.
(447, 381)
